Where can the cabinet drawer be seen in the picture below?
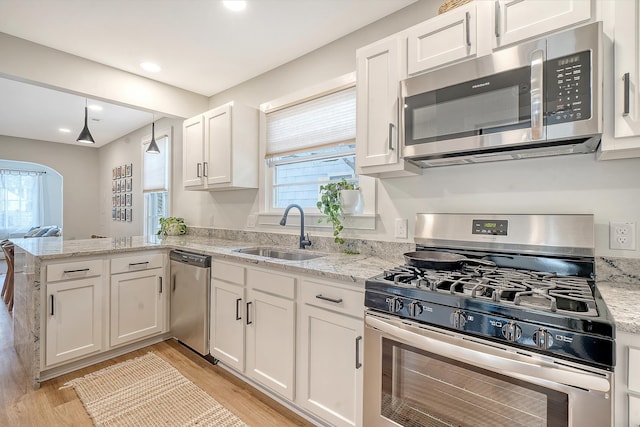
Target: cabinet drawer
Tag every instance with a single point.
(228, 272)
(74, 270)
(272, 283)
(135, 263)
(324, 295)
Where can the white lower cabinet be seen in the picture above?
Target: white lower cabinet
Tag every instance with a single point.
(627, 390)
(138, 298)
(255, 335)
(330, 353)
(270, 320)
(74, 311)
(90, 306)
(227, 330)
(298, 337)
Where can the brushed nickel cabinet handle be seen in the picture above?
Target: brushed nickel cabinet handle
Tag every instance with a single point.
(205, 169)
(333, 300)
(391, 126)
(358, 363)
(198, 175)
(627, 88)
(468, 27)
(497, 18)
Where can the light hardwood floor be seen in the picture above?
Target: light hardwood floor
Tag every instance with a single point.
(48, 406)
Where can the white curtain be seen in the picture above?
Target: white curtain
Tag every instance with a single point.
(21, 201)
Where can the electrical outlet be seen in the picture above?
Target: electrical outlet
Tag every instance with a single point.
(402, 224)
(622, 235)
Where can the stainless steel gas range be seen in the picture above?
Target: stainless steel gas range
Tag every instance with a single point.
(494, 320)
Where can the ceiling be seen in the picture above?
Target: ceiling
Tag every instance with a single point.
(199, 44)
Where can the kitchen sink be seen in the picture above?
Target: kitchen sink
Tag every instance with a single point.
(279, 254)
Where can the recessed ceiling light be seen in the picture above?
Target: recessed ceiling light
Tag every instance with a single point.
(64, 130)
(95, 107)
(150, 67)
(235, 5)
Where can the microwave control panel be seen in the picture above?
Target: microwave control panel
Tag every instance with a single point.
(568, 86)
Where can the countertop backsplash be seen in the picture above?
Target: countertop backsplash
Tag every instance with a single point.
(618, 270)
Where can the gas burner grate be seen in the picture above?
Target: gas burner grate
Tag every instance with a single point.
(525, 288)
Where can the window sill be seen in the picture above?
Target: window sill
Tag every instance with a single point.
(350, 222)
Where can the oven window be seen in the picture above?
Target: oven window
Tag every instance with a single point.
(423, 389)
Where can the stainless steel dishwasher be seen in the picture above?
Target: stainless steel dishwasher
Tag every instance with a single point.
(190, 291)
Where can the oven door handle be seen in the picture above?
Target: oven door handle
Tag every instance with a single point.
(492, 362)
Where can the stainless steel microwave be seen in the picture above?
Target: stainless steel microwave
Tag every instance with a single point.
(539, 98)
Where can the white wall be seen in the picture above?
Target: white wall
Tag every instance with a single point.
(77, 165)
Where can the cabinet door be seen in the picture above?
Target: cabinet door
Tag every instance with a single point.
(446, 38)
(137, 305)
(516, 20)
(74, 319)
(227, 324)
(634, 410)
(270, 332)
(627, 68)
(192, 151)
(331, 365)
(378, 103)
(217, 137)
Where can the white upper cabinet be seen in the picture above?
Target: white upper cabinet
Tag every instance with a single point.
(626, 80)
(220, 149)
(446, 38)
(378, 110)
(516, 20)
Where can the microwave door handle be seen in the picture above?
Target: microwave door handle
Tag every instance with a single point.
(537, 95)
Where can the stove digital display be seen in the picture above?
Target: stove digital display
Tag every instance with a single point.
(491, 227)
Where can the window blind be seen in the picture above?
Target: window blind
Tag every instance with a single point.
(155, 167)
(303, 126)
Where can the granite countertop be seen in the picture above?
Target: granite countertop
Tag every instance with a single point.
(617, 279)
(330, 265)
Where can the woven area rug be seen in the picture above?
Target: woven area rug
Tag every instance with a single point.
(148, 391)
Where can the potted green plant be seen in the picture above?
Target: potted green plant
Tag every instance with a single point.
(172, 226)
(331, 204)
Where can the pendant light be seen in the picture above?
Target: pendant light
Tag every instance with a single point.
(153, 146)
(85, 135)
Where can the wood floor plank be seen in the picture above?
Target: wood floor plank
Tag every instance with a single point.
(50, 406)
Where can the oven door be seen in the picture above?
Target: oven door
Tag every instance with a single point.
(421, 376)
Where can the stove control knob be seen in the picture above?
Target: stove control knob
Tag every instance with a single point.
(543, 339)
(415, 308)
(512, 332)
(394, 304)
(458, 319)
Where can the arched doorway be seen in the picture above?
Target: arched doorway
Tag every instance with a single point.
(30, 195)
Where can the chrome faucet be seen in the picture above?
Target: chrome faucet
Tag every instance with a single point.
(303, 242)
